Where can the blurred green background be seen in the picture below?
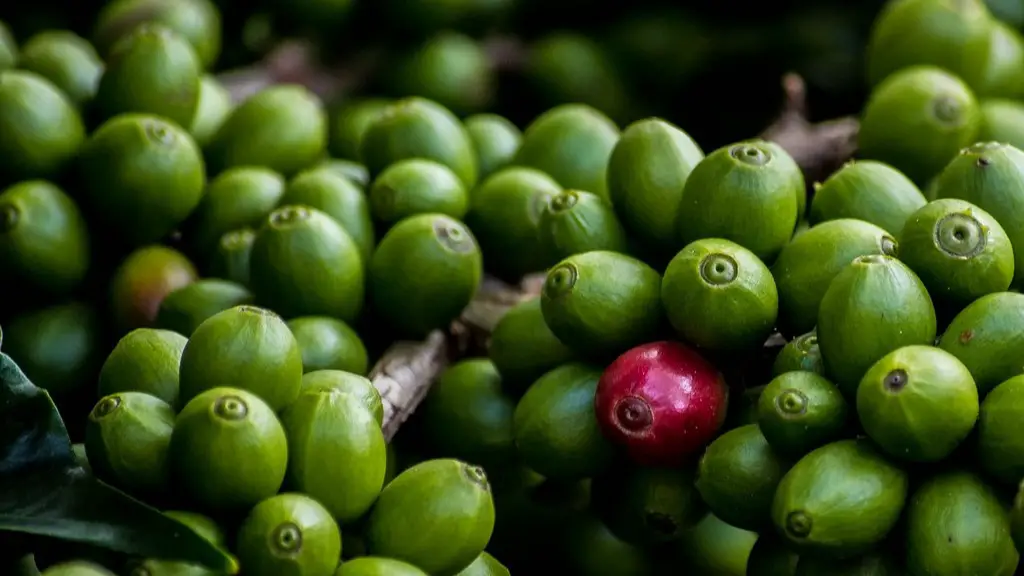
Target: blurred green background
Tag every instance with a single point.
(712, 67)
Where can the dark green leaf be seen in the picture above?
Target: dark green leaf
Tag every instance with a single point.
(44, 492)
(73, 505)
(32, 435)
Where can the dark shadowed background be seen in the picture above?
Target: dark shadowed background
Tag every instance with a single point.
(713, 67)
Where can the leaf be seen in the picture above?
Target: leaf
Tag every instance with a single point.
(44, 492)
(32, 435)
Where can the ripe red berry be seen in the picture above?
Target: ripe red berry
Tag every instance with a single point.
(662, 401)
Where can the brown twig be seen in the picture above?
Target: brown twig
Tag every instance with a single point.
(506, 52)
(403, 376)
(494, 299)
(819, 149)
(293, 62)
(405, 373)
